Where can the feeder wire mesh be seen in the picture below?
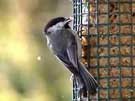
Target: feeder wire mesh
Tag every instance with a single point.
(107, 33)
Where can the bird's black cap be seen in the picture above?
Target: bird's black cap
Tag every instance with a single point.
(55, 21)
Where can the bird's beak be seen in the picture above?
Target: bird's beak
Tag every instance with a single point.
(68, 20)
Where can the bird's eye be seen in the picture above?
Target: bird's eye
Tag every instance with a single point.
(48, 32)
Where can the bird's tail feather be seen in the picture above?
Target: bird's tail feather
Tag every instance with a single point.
(89, 82)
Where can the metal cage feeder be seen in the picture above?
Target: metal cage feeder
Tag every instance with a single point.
(107, 34)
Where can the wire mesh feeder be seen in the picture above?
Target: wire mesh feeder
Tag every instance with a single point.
(107, 33)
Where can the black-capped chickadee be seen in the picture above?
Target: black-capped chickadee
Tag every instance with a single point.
(65, 45)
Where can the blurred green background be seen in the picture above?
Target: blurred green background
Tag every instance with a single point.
(28, 70)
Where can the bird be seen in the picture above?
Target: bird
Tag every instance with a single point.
(65, 45)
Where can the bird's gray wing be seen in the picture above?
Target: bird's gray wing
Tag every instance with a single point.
(72, 53)
(69, 55)
(63, 57)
